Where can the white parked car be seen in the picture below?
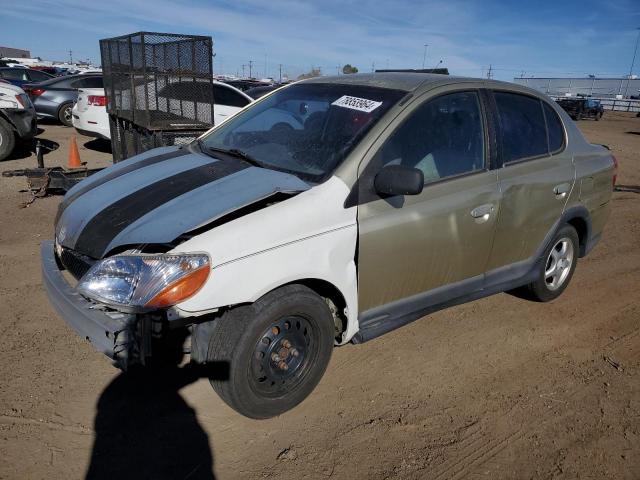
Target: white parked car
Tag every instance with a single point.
(89, 114)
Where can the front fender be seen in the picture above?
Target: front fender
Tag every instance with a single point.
(328, 257)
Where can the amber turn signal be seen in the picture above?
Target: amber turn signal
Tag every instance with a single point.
(181, 289)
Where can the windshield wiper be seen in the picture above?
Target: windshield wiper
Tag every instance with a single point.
(234, 152)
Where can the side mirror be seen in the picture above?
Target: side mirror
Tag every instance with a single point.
(399, 180)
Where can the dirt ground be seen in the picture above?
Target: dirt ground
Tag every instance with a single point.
(500, 388)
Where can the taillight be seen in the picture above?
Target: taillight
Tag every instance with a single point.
(20, 100)
(97, 100)
(35, 92)
(615, 170)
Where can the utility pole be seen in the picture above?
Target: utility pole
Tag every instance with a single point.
(373, 67)
(243, 66)
(338, 69)
(633, 61)
(71, 57)
(424, 56)
(265, 66)
(280, 72)
(250, 68)
(489, 72)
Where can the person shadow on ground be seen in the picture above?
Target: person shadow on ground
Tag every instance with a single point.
(144, 429)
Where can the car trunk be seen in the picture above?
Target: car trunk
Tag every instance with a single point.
(83, 97)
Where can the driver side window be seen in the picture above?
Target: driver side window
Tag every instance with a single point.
(444, 137)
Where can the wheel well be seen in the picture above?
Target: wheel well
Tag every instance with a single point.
(582, 228)
(62, 105)
(332, 295)
(6, 119)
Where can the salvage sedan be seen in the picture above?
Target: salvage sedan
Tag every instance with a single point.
(332, 210)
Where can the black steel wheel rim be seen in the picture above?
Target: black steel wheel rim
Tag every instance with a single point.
(282, 356)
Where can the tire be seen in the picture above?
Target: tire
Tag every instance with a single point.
(598, 116)
(276, 350)
(565, 244)
(65, 115)
(578, 117)
(7, 139)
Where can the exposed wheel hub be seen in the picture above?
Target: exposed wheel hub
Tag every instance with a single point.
(280, 357)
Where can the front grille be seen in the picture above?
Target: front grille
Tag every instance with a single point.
(76, 263)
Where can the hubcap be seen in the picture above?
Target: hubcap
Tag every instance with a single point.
(281, 356)
(67, 114)
(559, 264)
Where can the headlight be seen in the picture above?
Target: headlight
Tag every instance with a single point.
(143, 282)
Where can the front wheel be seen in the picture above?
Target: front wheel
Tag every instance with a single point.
(277, 350)
(554, 274)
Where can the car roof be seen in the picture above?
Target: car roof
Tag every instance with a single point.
(412, 81)
(63, 78)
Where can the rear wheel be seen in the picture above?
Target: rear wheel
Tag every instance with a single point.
(277, 350)
(65, 115)
(7, 139)
(555, 272)
(598, 116)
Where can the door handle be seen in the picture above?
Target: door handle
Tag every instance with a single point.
(482, 212)
(561, 190)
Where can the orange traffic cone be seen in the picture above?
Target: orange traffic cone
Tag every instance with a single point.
(74, 154)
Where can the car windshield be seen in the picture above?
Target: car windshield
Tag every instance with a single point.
(306, 129)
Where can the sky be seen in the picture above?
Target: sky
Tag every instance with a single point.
(516, 38)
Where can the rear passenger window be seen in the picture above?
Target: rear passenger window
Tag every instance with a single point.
(93, 82)
(226, 96)
(555, 128)
(522, 124)
(443, 137)
(88, 82)
(15, 74)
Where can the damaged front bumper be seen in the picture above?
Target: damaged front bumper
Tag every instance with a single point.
(112, 333)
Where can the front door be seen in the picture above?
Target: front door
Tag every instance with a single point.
(412, 244)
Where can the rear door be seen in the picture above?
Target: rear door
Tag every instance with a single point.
(536, 176)
(408, 245)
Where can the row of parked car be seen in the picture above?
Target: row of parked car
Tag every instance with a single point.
(80, 101)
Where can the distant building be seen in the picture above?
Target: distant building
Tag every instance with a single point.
(14, 52)
(624, 87)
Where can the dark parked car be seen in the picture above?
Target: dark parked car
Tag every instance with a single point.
(244, 85)
(55, 97)
(54, 71)
(20, 76)
(579, 108)
(257, 92)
